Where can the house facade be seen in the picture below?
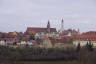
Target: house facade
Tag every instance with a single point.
(85, 38)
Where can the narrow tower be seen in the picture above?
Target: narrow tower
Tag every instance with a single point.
(78, 31)
(48, 27)
(62, 26)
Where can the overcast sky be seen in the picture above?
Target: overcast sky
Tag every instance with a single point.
(17, 15)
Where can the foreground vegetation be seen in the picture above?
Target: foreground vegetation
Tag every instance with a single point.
(52, 62)
(41, 62)
(37, 54)
(32, 55)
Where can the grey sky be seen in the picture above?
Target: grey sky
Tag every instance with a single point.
(17, 15)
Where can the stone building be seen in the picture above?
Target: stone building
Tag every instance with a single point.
(47, 43)
(85, 38)
(41, 32)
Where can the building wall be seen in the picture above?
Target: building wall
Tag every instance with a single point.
(43, 35)
(47, 43)
(83, 43)
(63, 45)
(2, 42)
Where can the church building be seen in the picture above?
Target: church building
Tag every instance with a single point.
(41, 32)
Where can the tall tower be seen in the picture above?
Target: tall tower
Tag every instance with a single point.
(62, 26)
(48, 27)
(78, 31)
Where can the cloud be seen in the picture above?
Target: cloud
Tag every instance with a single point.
(18, 14)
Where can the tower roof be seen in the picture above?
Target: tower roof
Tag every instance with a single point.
(62, 26)
(62, 20)
(48, 24)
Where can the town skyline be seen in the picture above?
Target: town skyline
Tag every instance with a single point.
(17, 15)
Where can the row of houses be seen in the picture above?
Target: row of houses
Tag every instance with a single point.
(83, 39)
(48, 37)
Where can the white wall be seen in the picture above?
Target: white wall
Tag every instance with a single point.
(83, 43)
(2, 43)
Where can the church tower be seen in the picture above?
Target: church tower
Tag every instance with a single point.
(78, 31)
(62, 26)
(48, 27)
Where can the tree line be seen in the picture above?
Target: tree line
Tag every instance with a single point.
(84, 55)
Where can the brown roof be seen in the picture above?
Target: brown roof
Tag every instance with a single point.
(65, 39)
(72, 31)
(85, 37)
(31, 30)
(91, 36)
(91, 32)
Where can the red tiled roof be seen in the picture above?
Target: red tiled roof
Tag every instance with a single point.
(31, 30)
(91, 35)
(66, 32)
(33, 41)
(90, 32)
(65, 39)
(85, 37)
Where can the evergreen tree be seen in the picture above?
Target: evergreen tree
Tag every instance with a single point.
(32, 37)
(89, 46)
(78, 47)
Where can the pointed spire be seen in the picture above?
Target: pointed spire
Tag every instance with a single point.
(78, 31)
(48, 26)
(62, 21)
(62, 26)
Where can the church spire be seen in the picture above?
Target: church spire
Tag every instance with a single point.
(78, 31)
(62, 26)
(48, 26)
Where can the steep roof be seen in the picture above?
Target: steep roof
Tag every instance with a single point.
(64, 39)
(90, 36)
(69, 31)
(91, 32)
(31, 30)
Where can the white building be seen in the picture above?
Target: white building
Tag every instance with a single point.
(84, 39)
(2, 42)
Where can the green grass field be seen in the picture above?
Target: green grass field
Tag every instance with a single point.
(50, 62)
